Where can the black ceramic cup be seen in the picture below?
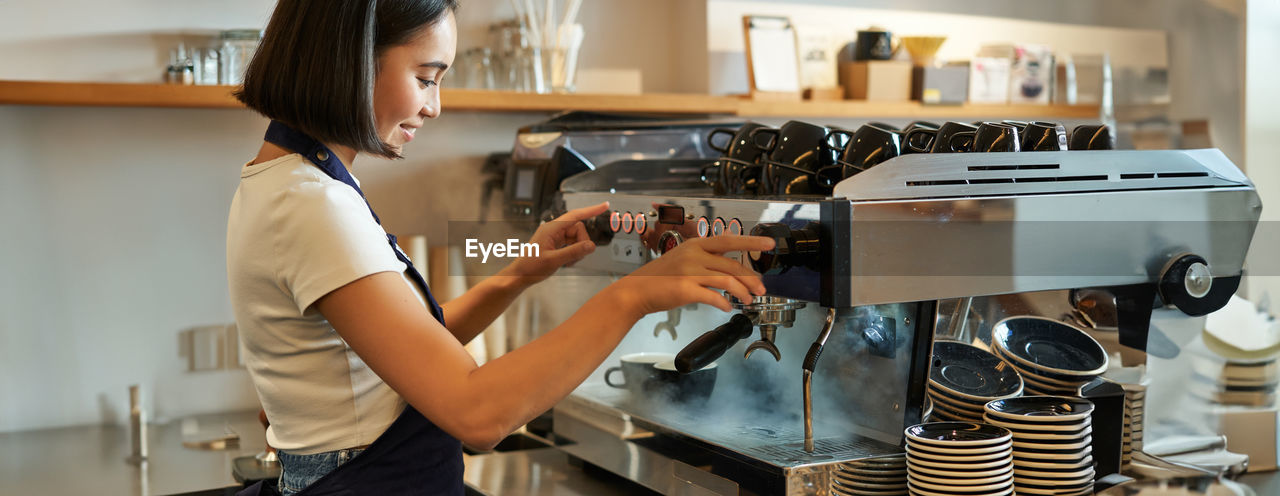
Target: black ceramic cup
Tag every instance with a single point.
(938, 141)
(738, 169)
(863, 149)
(793, 153)
(873, 45)
(638, 374)
(693, 388)
(989, 137)
(1044, 137)
(1091, 137)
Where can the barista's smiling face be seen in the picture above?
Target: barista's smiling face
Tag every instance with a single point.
(406, 91)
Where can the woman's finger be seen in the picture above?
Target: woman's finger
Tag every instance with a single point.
(732, 268)
(727, 283)
(694, 292)
(584, 213)
(728, 242)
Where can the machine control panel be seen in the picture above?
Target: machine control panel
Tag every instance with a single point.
(793, 248)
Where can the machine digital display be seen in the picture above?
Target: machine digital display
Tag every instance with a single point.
(524, 183)
(670, 214)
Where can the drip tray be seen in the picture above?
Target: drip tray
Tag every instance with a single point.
(775, 442)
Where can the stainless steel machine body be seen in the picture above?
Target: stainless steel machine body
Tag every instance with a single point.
(918, 244)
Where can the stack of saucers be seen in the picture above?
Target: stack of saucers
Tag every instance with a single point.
(947, 458)
(1235, 381)
(964, 378)
(1052, 443)
(1054, 358)
(882, 476)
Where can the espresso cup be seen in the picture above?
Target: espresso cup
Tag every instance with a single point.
(693, 388)
(793, 153)
(1021, 125)
(1044, 137)
(922, 140)
(865, 148)
(989, 137)
(873, 45)
(1091, 137)
(738, 168)
(638, 374)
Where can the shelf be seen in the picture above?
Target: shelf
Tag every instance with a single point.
(165, 95)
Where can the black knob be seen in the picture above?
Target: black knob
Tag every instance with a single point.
(598, 229)
(793, 248)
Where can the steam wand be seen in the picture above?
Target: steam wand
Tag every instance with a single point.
(811, 363)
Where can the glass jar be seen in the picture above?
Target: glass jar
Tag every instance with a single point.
(235, 50)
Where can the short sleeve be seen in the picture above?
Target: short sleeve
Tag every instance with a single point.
(325, 239)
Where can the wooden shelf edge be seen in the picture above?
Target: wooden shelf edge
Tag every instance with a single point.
(165, 95)
(868, 109)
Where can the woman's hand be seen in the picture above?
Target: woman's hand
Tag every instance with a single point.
(560, 242)
(692, 273)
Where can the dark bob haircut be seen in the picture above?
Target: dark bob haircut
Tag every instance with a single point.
(315, 67)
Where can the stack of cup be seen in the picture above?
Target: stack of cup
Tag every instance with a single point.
(946, 458)
(1052, 443)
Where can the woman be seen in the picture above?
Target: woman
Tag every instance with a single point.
(367, 390)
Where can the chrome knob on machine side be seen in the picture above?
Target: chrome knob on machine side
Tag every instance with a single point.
(793, 248)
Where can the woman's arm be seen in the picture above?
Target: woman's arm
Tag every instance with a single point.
(561, 242)
(384, 323)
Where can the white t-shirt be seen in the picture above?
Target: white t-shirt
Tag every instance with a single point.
(293, 235)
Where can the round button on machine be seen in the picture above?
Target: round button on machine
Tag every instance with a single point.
(704, 227)
(626, 222)
(641, 223)
(717, 227)
(735, 227)
(615, 221)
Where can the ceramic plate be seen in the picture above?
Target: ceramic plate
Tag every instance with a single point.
(1050, 346)
(972, 373)
(1053, 409)
(958, 434)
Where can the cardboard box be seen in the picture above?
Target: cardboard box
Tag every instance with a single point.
(942, 85)
(1251, 431)
(989, 80)
(876, 80)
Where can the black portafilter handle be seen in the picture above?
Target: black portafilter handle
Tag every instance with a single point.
(712, 345)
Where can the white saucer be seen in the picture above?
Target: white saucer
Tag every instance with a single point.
(940, 472)
(989, 464)
(1087, 461)
(951, 488)
(964, 453)
(962, 481)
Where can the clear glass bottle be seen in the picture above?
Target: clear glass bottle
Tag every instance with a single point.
(235, 50)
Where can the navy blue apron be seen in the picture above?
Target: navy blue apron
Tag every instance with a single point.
(413, 456)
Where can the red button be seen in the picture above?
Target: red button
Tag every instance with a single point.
(703, 226)
(641, 223)
(717, 227)
(735, 227)
(615, 221)
(626, 222)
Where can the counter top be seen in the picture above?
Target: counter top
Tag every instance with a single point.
(93, 459)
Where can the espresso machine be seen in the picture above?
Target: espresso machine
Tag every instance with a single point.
(831, 364)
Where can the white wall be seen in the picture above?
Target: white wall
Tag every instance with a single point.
(1262, 149)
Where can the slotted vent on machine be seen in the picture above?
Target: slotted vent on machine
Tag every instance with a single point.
(1042, 178)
